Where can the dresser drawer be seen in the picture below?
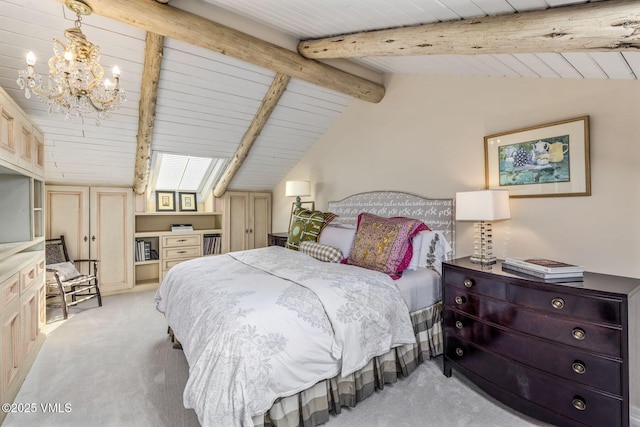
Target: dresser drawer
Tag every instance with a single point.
(28, 276)
(185, 252)
(181, 240)
(476, 284)
(167, 264)
(40, 267)
(566, 398)
(9, 291)
(574, 332)
(587, 307)
(566, 362)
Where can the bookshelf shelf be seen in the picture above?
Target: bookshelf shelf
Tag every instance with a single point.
(172, 247)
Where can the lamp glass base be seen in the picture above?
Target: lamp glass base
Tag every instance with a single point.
(483, 244)
(483, 261)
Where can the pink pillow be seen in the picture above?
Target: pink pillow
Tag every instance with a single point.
(384, 244)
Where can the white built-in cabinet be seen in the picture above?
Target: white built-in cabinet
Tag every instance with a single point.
(247, 220)
(22, 262)
(97, 222)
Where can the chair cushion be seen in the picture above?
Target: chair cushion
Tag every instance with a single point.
(66, 271)
(54, 254)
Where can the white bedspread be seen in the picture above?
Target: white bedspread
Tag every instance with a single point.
(260, 324)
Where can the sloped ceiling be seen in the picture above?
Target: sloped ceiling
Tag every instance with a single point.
(207, 100)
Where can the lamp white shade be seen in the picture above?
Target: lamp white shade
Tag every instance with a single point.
(297, 188)
(483, 205)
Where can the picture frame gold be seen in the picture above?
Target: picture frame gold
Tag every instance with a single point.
(165, 201)
(187, 202)
(547, 160)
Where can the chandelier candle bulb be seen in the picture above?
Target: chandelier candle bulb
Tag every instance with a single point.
(74, 85)
(31, 59)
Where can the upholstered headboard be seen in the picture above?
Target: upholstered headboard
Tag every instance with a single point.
(438, 214)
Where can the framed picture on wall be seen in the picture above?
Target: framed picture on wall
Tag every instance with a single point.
(165, 201)
(540, 161)
(188, 202)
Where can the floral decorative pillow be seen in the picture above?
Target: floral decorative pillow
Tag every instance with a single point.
(434, 249)
(306, 225)
(384, 244)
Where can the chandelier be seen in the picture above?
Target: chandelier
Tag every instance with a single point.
(75, 84)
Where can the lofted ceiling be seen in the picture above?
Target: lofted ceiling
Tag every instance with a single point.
(206, 101)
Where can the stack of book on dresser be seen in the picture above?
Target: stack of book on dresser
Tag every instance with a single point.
(544, 268)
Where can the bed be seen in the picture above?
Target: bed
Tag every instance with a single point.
(276, 337)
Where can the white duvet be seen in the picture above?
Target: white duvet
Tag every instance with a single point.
(261, 324)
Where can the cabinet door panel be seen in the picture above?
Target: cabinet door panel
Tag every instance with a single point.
(236, 209)
(8, 150)
(111, 236)
(260, 220)
(68, 216)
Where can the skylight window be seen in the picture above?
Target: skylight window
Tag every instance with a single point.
(175, 172)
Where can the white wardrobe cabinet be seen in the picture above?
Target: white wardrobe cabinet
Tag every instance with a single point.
(97, 222)
(247, 220)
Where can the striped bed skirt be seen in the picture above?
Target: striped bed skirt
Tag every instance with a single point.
(312, 407)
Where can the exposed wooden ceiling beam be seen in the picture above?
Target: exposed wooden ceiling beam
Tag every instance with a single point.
(190, 28)
(147, 110)
(269, 102)
(612, 25)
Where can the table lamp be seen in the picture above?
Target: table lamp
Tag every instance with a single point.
(483, 207)
(297, 189)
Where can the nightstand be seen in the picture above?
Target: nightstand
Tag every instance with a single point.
(278, 239)
(563, 353)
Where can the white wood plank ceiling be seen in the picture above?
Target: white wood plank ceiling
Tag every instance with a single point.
(206, 100)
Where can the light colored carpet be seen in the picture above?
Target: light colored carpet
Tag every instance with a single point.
(114, 366)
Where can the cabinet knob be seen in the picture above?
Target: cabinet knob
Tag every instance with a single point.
(459, 324)
(468, 283)
(579, 403)
(459, 300)
(557, 303)
(578, 333)
(459, 351)
(579, 367)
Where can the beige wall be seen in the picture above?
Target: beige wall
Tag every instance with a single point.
(426, 137)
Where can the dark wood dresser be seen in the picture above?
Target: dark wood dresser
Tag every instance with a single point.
(567, 354)
(278, 239)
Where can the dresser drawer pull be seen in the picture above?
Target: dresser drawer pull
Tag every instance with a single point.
(578, 333)
(182, 252)
(459, 300)
(459, 324)
(579, 403)
(468, 283)
(557, 303)
(459, 351)
(579, 367)
(181, 240)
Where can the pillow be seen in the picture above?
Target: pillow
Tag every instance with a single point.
(66, 271)
(434, 249)
(321, 252)
(306, 225)
(416, 245)
(384, 244)
(339, 237)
